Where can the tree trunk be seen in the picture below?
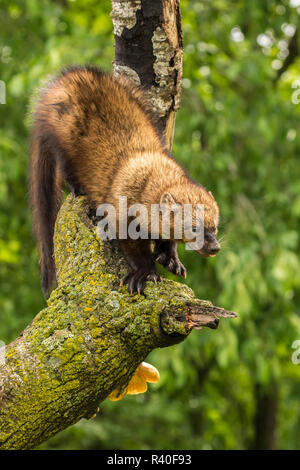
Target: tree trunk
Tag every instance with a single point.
(149, 49)
(91, 337)
(265, 417)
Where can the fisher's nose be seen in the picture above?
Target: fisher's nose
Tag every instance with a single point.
(214, 248)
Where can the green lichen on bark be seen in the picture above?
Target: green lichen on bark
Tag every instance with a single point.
(90, 338)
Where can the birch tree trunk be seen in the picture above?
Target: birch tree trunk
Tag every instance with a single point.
(149, 50)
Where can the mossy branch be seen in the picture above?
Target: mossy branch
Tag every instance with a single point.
(91, 337)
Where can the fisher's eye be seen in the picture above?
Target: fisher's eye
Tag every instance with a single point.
(196, 229)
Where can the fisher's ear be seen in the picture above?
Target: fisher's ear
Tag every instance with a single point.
(168, 199)
(167, 203)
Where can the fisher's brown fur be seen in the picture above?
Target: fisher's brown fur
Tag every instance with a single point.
(97, 133)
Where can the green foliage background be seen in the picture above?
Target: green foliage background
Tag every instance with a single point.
(238, 134)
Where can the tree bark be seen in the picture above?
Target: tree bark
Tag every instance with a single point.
(149, 50)
(91, 337)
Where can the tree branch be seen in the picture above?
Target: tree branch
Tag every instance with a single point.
(91, 337)
(293, 50)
